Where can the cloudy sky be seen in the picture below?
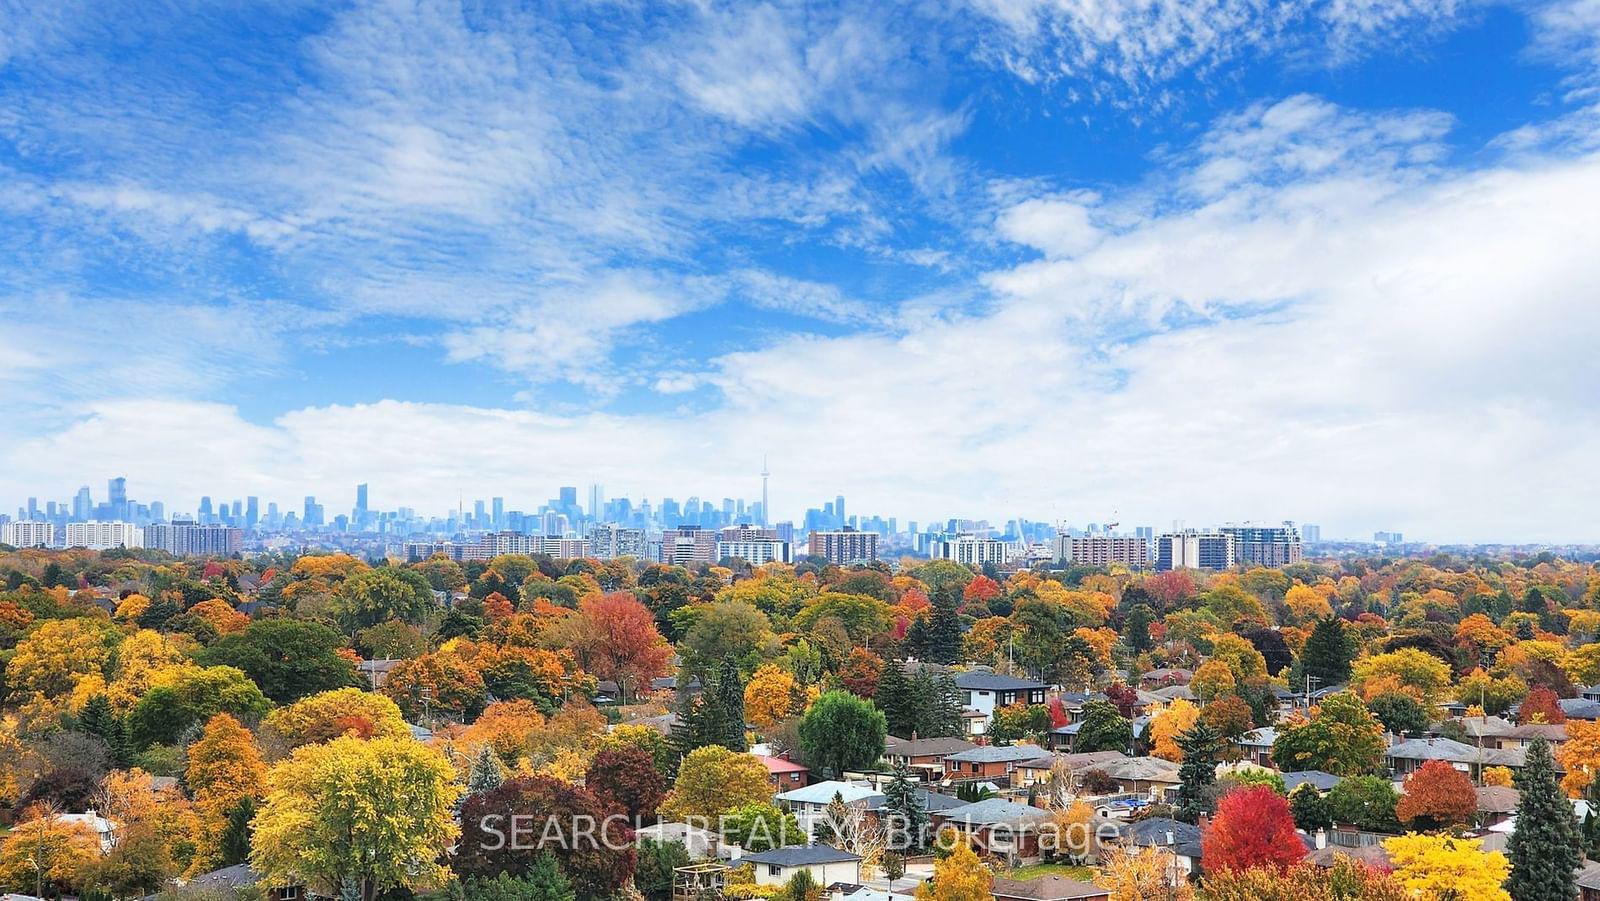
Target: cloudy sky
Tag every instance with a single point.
(1335, 261)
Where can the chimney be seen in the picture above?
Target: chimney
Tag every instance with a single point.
(1322, 839)
(1170, 839)
(1204, 823)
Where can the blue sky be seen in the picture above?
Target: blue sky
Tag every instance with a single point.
(1328, 261)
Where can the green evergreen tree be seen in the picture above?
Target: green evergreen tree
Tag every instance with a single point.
(1545, 850)
(1136, 628)
(234, 843)
(100, 720)
(484, 775)
(1591, 821)
(1201, 747)
(943, 642)
(909, 817)
(893, 697)
(729, 688)
(1329, 651)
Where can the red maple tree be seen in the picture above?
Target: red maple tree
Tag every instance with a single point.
(1542, 705)
(1437, 795)
(1253, 829)
(628, 779)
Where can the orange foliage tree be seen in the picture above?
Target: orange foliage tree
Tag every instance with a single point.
(1437, 795)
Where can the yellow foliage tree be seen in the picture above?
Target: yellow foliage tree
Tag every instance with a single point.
(131, 607)
(1213, 680)
(1144, 874)
(379, 813)
(48, 852)
(1579, 756)
(1417, 673)
(49, 664)
(960, 876)
(508, 727)
(220, 615)
(1439, 867)
(769, 696)
(331, 714)
(1307, 604)
(224, 766)
(713, 780)
(141, 657)
(1179, 717)
(1497, 775)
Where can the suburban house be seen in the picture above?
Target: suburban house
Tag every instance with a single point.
(785, 774)
(227, 880)
(923, 756)
(1047, 888)
(1256, 746)
(1180, 838)
(1037, 771)
(1151, 777)
(1589, 883)
(995, 764)
(1496, 804)
(826, 865)
(984, 693)
(810, 803)
(1165, 676)
(1411, 754)
(998, 828)
(1322, 782)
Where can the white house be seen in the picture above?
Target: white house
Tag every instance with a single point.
(984, 693)
(826, 865)
(810, 804)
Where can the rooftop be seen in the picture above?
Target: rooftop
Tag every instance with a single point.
(993, 754)
(801, 856)
(996, 811)
(823, 792)
(979, 681)
(1047, 888)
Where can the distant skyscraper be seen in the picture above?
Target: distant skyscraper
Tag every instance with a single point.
(252, 511)
(597, 501)
(480, 515)
(205, 512)
(311, 517)
(844, 546)
(117, 497)
(359, 515)
(1310, 533)
(766, 506)
(838, 510)
(569, 499)
(82, 504)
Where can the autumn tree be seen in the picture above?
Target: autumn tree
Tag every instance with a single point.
(712, 780)
(1253, 828)
(1437, 795)
(1541, 706)
(619, 641)
(1345, 880)
(1165, 727)
(45, 853)
(224, 767)
(958, 876)
(47, 667)
(596, 867)
(368, 598)
(310, 830)
(770, 696)
(1342, 737)
(627, 779)
(186, 696)
(1546, 849)
(332, 714)
(842, 732)
(1442, 867)
(1231, 718)
(861, 672)
(1399, 713)
(1144, 874)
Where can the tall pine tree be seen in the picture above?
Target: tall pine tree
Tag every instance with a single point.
(1544, 850)
(1590, 832)
(909, 823)
(943, 641)
(1201, 746)
(893, 697)
(100, 720)
(717, 716)
(1329, 651)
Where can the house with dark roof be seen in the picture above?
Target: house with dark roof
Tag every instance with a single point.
(1255, 746)
(985, 692)
(826, 865)
(1164, 833)
(990, 763)
(1496, 804)
(1150, 777)
(1047, 888)
(1411, 754)
(998, 828)
(1037, 771)
(923, 756)
(1317, 779)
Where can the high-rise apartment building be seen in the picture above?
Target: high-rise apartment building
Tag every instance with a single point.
(1268, 546)
(101, 536)
(687, 545)
(844, 545)
(117, 497)
(610, 541)
(972, 550)
(185, 539)
(28, 533)
(1310, 533)
(1193, 549)
(1102, 550)
(755, 551)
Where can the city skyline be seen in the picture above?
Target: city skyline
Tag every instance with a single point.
(998, 257)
